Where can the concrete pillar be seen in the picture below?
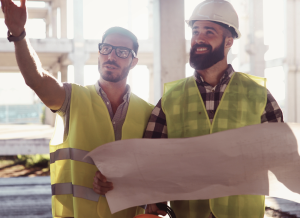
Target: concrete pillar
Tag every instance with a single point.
(169, 43)
(151, 85)
(64, 73)
(292, 63)
(47, 29)
(256, 48)
(78, 20)
(150, 20)
(297, 52)
(63, 18)
(78, 59)
(48, 20)
(243, 55)
(78, 56)
(54, 22)
(231, 56)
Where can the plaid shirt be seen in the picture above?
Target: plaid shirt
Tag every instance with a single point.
(157, 125)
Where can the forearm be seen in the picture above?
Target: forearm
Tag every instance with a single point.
(29, 63)
(50, 91)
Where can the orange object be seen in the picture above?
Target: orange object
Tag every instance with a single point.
(160, 206)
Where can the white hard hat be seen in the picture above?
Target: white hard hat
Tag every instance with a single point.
(216, 10)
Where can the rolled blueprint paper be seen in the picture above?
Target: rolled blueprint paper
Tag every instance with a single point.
(262, 159)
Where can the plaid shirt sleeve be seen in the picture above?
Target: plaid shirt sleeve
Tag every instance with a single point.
(157, 125)
(272, 113)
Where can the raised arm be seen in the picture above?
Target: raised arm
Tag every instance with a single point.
(50, 91)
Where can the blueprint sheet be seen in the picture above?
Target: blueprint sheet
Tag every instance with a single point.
(262, 159)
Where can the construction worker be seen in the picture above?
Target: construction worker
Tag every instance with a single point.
(214, 99)
(93, 115)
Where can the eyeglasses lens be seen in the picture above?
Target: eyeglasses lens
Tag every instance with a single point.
(122, 53)
(105, 49)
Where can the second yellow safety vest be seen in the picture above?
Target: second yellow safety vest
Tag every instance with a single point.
(89, 127)
(242, 104)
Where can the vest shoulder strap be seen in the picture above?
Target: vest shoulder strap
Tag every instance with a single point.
(259, 80)
(170, 85)
(137, 118)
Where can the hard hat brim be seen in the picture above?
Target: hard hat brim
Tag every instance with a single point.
(236, 30)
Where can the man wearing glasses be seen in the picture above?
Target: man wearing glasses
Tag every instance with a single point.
(93, 115)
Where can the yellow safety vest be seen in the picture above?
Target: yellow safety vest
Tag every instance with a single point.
(242, 104)
(72, 176)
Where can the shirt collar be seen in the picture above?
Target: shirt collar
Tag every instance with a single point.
(227, 75)
(101, 92)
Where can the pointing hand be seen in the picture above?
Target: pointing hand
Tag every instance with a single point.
(15, 17)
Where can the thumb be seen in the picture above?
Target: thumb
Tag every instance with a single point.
(23, 4)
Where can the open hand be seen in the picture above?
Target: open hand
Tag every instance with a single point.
(101, 185)
(153, 209)
(15, 17)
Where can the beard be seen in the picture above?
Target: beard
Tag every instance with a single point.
(205, 61)
(109, 75)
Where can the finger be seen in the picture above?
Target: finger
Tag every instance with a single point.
(97, 186)
(101, 191)
(98, 191)
(101, 176)
(161, 212)
(101, 183)
(105, 184)
(146, 210)
(152, 208)
(23, 4)
(149, 209)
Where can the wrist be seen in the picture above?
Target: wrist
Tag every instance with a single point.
(13, 38)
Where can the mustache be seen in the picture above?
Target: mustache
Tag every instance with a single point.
(111, 63)
(202, 45)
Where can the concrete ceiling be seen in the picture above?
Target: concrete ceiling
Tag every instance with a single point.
(53, 51)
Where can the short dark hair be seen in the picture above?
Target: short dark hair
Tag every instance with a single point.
(124, 32)
(227, 27)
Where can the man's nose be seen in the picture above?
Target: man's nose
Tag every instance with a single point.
(112, 55)
(200, 40)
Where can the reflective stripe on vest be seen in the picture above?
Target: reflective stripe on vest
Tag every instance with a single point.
(70, 153)
(71, 175)
(242, 104)
(76, 190)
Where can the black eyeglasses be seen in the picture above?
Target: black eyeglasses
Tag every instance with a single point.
(121, 52)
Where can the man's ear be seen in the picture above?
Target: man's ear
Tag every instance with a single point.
(228, 42)
(134, 62)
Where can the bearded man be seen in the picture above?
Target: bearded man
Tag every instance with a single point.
(93, 115)
(214, 99)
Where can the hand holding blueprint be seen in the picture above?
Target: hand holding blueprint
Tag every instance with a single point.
(262, 159)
